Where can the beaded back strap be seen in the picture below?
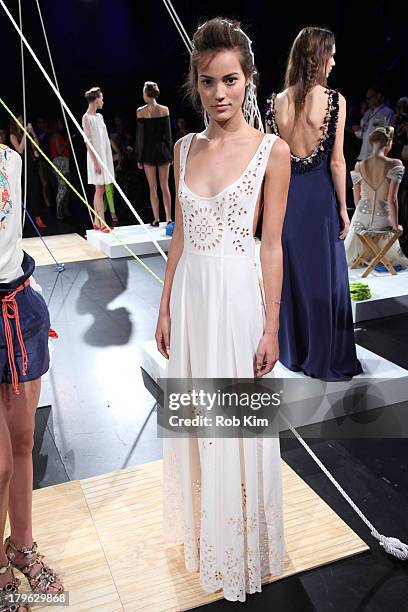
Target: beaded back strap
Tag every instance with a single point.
(300, 165)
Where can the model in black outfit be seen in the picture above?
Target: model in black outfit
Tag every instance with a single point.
(155, 147)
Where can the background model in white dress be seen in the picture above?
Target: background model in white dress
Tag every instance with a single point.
(95, 128)
(373, 213)
(222, 496)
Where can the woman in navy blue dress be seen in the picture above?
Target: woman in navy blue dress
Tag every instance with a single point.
(316, 333)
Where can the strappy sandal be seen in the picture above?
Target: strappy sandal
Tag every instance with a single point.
(44, 578)
(8, 589)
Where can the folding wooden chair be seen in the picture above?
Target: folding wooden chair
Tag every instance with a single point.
(372, 254)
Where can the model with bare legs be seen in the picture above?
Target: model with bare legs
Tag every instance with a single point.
(24, 328)
(154, 148)
(98, 174)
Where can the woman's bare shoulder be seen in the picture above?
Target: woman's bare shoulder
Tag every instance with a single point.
(280, 150)
(164, 110)
(279, 158)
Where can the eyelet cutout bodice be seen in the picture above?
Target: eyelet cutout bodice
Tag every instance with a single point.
(223, 224)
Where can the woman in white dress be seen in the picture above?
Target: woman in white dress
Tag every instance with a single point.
(222, 497)
(95, 129)
(376, 181)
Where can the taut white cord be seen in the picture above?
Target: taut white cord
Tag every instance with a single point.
(20, 18)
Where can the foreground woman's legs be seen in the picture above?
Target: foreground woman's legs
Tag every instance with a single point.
(20, 418)
(164, 185)
(150, 172)
(6, 470)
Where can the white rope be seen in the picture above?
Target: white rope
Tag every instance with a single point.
(391, 545)
(180, 28)
(62, 107)
(20, 18)
(85, 137)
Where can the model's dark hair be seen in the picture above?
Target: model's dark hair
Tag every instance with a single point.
(306, 67)
(15, 129)
(151, 89)
(215, 35)
(92, 94)
(382, 136)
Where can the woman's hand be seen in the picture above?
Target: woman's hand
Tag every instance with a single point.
(267, 354)
(140, 165)
(163, 334)
(97, 167)
(345, 224)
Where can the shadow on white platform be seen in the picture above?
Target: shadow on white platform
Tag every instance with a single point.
(134, 236)
(389, 295)
(383, 383)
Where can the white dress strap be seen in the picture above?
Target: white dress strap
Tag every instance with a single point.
(261, 159)
(184, 149)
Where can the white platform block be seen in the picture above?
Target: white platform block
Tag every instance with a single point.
(382, 384)
(46, 392)
(134, 236)
(389, 295)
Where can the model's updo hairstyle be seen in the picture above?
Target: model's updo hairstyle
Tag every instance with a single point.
(92, 94)
(382, 136)
(215, 35)
(151, 89)
(306, 67)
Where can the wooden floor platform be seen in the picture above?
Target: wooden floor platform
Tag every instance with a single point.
(66, 248)
(104, 534)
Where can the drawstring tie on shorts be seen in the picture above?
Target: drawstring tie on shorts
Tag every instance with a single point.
(9, 309)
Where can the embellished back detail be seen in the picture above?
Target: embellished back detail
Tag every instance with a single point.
(323, 148)
(223, 224)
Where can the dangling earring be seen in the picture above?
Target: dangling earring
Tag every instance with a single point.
(250, 107)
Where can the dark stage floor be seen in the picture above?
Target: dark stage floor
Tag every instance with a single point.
(104, 419)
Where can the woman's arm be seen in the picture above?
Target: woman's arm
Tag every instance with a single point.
(18, 146)
(87, 129)
(139, 139)
(174, 254)
(393, 199)
(33, 134)
(276, 187)
(168, 138)
(356, 186)
(338, 168)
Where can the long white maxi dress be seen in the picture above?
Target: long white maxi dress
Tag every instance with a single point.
(222, 497)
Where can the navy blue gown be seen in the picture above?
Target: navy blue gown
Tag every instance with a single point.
(316, 334)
